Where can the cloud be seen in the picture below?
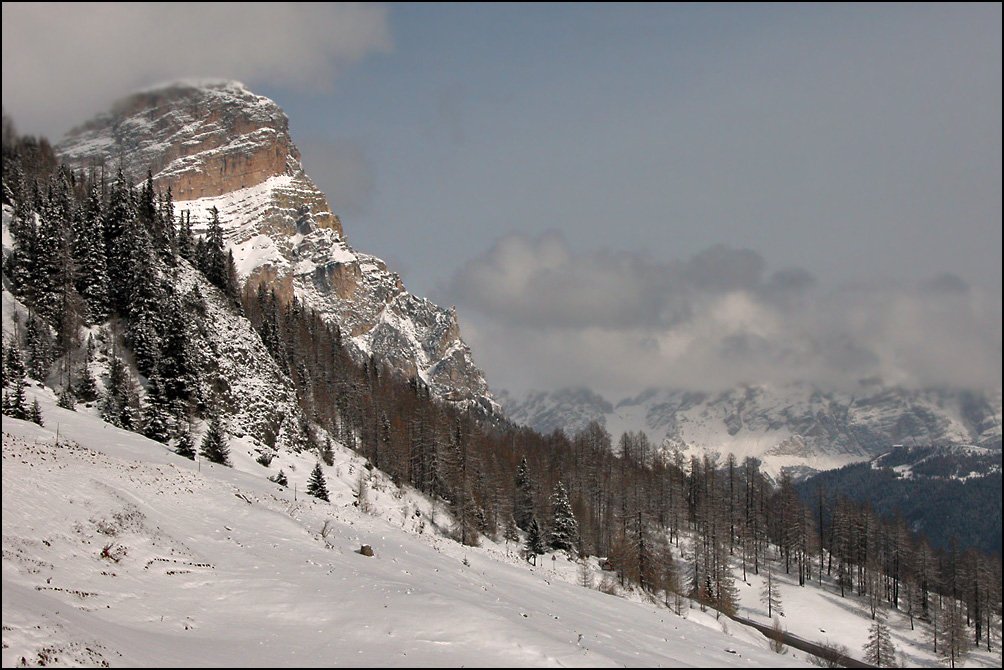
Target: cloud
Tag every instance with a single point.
(63, 62)
(540, 315)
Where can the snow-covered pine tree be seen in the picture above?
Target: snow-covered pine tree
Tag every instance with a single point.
(215, 267)
(157, 410)
(15, 404)
(315, 485)
(67, 399)
(564, 527)
(522, 509)
(38, 347)
(90, 263)
(185, 446)
(214, 443)
(534, 537)
(879, 650)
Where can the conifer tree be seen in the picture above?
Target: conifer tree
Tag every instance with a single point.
(185, 446)
(522, 509)
(214, 443)
(157, 410)
(327, 452)
(315, 485)
(90, 262)
(15, 404)
(280, 479)
(35, 413)
(564, 527)
(67, 400)
(879, 650)
(38, 345)
(534, 538)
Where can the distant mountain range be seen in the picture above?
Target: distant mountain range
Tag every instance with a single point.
(798, 426)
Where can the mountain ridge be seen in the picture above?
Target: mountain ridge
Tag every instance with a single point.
(216, 144)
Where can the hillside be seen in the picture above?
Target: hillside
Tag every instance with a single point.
(118, 551)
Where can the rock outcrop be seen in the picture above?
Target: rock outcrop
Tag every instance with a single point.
(216, 144)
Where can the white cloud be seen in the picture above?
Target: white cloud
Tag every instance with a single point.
(64, 62)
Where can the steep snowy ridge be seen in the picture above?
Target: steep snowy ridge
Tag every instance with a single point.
(216, 144)
(796, 426)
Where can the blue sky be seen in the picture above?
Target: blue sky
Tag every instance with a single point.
(601, 188)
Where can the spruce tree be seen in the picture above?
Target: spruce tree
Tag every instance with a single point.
(534, 537)
(185, 446)
(564, 527)
(90, 262)
(15, 404)
(157, 410)
(523, 503)
(316, 486)
(35, 413)
(214, 443)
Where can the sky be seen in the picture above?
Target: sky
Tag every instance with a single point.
(619, 196)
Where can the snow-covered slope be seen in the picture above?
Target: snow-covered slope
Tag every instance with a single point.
(797, 426)
(117, 551)
(216, 144)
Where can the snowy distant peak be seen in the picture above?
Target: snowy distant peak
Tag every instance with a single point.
(797, 426)
(219, 146)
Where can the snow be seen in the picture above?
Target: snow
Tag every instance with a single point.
(218, 566)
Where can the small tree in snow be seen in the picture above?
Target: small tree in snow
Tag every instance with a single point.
(534, 539)
(214, 443)
(185, 446)
(280, 479)
(879, 650)
(316, 486)
(770, 595)
(35, 414)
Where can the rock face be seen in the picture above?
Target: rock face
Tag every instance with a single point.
(799, 426)
(216, 144)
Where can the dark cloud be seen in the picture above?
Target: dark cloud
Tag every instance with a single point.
(63, 62)
(540, 315)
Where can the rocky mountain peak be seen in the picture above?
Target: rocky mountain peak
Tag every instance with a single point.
(217, 144)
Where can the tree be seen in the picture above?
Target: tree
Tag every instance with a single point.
(879, 650)
(185, 446)
(35, 413)
(770, 595)
(280, 479)
(564, 527)
(15, 404)
(954, 634)
(214, 443)
(316, 486)
(327, 453)
(157, 410)
(522, 509)
(534, 539)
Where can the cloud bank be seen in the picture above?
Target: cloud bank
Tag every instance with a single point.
(541, 315)
(64, 62)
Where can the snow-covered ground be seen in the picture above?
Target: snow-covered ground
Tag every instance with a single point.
(116, 550)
